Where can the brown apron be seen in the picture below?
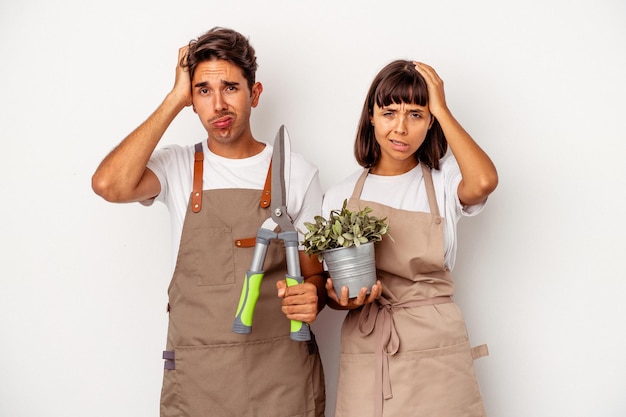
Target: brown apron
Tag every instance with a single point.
(209, 369)
(408, 354)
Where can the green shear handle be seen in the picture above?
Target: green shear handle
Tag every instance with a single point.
(252, 283)
(299, 331)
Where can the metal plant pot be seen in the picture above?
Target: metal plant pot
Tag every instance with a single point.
(353, 267)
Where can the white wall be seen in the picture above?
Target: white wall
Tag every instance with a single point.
(540, 276)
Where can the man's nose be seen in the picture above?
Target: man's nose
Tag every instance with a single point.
(220, 103)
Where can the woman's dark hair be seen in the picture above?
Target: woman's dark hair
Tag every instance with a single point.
(398, 82)
(226, 44)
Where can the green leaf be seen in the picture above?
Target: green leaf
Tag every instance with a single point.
(343, 228)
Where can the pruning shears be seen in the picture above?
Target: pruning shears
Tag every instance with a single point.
(281, 171)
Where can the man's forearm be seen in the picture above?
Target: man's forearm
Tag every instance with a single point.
(118, 176)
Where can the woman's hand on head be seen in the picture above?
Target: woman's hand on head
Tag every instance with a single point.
(436, 94)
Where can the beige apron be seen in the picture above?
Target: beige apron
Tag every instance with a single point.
(408, 354)
(209, 369)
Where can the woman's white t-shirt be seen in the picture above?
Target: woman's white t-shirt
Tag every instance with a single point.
(407, 192)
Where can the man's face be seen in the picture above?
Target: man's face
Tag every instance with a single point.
(223, 102)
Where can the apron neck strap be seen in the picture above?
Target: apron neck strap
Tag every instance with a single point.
(266, 197)
(428, 184)
(430, 189)
(198, 171)
(356, 193)
(198, 165)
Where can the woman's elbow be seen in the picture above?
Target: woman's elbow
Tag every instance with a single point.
(478, 191)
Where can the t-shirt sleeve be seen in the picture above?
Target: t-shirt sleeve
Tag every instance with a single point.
(173, 166)
(452, 176)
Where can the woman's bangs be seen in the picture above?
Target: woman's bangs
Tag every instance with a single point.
(405, 89)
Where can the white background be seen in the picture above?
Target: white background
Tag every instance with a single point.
(540, 277)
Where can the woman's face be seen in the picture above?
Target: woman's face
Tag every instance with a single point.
(400, 129)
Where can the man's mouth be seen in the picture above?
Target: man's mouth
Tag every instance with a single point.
(222, 122)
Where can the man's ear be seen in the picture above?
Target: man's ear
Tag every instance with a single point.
(257, 89)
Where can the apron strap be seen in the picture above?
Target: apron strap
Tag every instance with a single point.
(356, 193)
(170, 358)
(266, 197)
(198, 166)
(377, 318)
(430, 190)
(480, 351)
(198, 171)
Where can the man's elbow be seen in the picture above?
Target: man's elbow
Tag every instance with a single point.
(104, 189)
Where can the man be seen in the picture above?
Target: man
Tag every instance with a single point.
(209, 369)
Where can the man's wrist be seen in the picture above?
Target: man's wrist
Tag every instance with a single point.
(319, 280)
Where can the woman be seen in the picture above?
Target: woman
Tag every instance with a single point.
(404, 346)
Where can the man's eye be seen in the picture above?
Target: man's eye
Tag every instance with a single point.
(204, 90)
(231, 88)
(416, 115)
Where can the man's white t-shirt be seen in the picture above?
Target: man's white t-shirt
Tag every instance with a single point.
(407, 192)
(173, 166)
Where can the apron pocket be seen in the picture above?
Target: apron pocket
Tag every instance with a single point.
(209, 256)
(211, 381)
(355, 387)
(264, 378)
(280, 374)
(436, 382)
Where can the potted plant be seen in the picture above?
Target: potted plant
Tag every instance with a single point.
(345, 241)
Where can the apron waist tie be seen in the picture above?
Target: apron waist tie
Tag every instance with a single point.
(378, 315)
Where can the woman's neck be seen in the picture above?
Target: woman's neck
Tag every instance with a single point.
(394, 168)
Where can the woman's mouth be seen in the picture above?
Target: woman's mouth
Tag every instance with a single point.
(399, 146)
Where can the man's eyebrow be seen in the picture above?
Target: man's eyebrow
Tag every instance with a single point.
(223, 82)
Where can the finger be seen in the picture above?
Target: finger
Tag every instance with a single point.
(303, 317)
(301, 299)
(344, 300)
(379, 286)
(360, 298)
(374, 294)
(281, 286)
(182, 54)
(330, 290)
(300, 289)
(305, 313)
(427, 72)
(303, 294)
